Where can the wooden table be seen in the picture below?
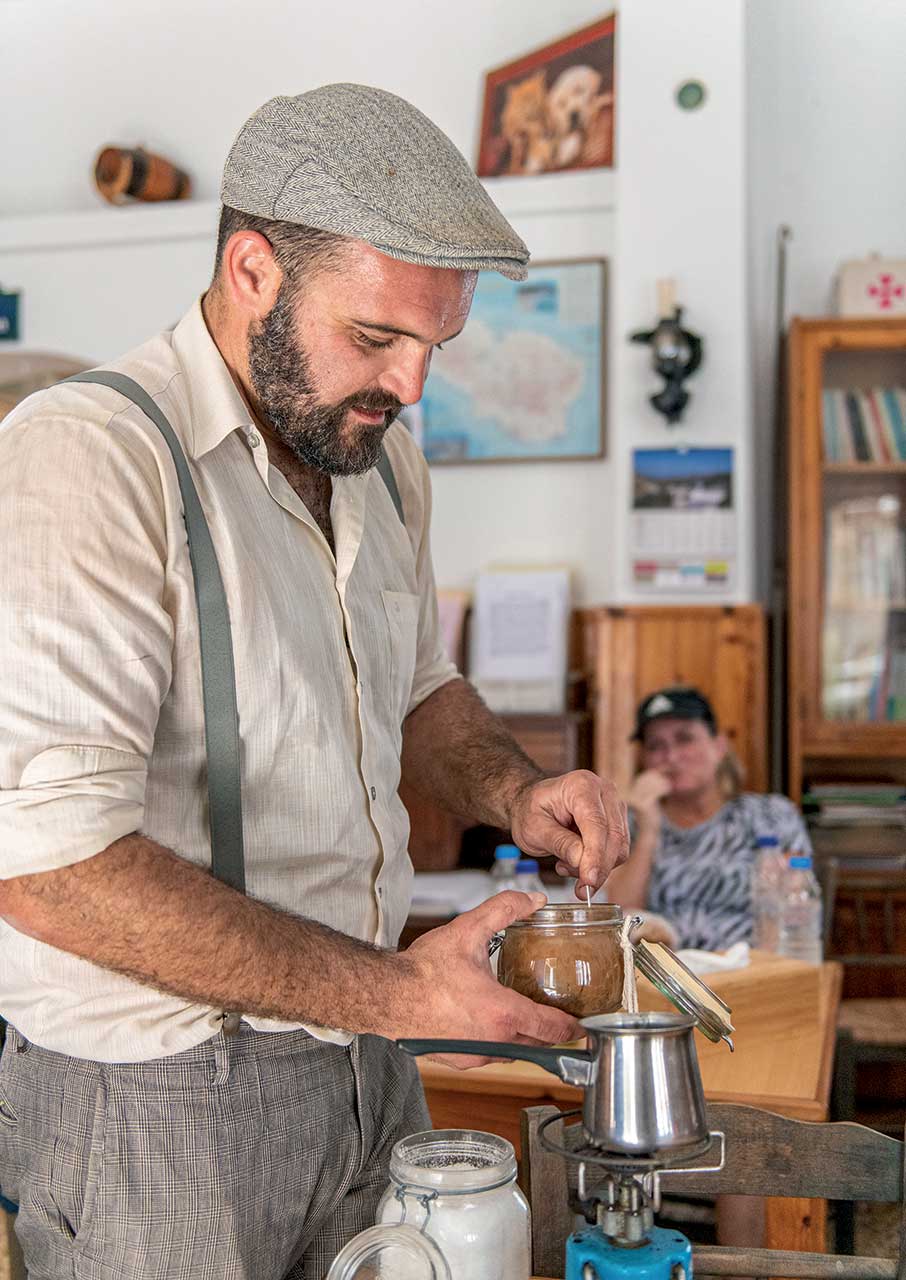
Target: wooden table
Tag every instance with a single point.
(782, 1063)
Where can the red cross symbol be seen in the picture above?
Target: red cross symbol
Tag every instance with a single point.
(886, 291)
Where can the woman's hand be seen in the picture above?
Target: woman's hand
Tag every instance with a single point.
(646, 794)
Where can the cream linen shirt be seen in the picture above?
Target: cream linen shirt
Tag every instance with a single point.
(101, 724)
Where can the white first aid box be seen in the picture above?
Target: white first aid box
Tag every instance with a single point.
(872, 286)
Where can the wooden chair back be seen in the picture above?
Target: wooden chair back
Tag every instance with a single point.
(765, 1155)
(865, 915)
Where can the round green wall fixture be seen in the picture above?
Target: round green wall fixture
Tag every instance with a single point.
(690, 94)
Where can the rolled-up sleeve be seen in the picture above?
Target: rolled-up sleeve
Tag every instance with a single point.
(85, 638)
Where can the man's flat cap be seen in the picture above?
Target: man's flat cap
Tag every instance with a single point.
(364, 163)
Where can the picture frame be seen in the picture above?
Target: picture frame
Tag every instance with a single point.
(552, 110)
(526, 379)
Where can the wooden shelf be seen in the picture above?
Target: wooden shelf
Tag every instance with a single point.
(865, 468)
(865, 740)
(583, 191)
(866, 606)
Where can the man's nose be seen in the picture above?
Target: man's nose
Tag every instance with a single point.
(405, 378)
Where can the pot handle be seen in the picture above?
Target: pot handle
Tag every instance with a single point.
(573, 1066)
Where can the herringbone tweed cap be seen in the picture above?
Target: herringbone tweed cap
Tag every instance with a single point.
(364, 163)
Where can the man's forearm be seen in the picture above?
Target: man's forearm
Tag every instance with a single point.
(457, 753)
(140, 910)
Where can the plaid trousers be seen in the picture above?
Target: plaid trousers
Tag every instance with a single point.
(250, 1157)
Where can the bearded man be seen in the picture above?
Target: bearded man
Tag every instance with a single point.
(198, 1081)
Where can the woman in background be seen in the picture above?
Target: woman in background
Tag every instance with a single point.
(694, 835)
(694, 831)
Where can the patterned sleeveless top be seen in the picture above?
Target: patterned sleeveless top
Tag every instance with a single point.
(700, 878)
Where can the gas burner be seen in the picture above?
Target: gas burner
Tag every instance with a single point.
(616, 1162)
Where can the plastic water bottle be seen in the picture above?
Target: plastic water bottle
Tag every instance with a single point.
(503, 872)
(768, 872)
(801, 912)
(527, 878)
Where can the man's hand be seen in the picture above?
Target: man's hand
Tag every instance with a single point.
(577, 818)
(459, 998)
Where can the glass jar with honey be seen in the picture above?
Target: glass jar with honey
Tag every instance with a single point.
(567, 954)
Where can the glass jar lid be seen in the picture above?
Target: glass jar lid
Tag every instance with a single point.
(558, 915)
(390, 1249)
(685, 990)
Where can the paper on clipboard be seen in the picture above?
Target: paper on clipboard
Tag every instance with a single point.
(520, 638)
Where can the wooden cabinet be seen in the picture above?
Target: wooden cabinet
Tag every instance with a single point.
(847, 550)
(633, 651)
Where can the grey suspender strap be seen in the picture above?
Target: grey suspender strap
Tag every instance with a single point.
(218, 675)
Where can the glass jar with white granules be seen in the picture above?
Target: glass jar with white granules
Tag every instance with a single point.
(452, 1211)
(458, 1186)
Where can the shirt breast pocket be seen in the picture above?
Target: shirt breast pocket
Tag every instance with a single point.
(401, 610)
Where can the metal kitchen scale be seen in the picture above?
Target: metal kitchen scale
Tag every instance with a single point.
(643, 1114)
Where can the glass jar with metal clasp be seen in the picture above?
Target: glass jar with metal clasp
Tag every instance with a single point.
(571, 955)
(452, 1211)
(567, 954)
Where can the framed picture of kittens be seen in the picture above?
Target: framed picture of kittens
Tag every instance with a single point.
(552, 109)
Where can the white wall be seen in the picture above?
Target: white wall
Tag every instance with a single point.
(681, 204)
(181, 77)
(826, 108)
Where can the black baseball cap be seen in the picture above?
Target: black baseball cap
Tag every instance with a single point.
(678, 703)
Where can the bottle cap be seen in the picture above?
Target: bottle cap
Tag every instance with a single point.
(767, 842)
(527, 864)
(506, 851)
(801, 862)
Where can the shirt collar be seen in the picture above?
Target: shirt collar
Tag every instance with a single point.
(216, 406)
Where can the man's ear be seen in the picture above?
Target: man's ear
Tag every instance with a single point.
(249, 274)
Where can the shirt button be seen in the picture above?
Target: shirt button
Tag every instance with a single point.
(254, 440)
(373, 793)
(380, 891)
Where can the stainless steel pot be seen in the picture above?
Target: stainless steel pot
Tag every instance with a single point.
(643, 1091)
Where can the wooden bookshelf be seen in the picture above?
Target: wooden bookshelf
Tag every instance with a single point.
(847, 556)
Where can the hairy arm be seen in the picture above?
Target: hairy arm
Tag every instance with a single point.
(142, 911)
(458, 753)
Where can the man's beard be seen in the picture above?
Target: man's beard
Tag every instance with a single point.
(282, 381)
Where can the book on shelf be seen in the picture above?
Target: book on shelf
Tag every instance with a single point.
(857, 818)
(865, 550)
(864, 424)
(855, 815)
(879, 795)
(864, 627)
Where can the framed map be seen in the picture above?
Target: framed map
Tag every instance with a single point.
(525, 378)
